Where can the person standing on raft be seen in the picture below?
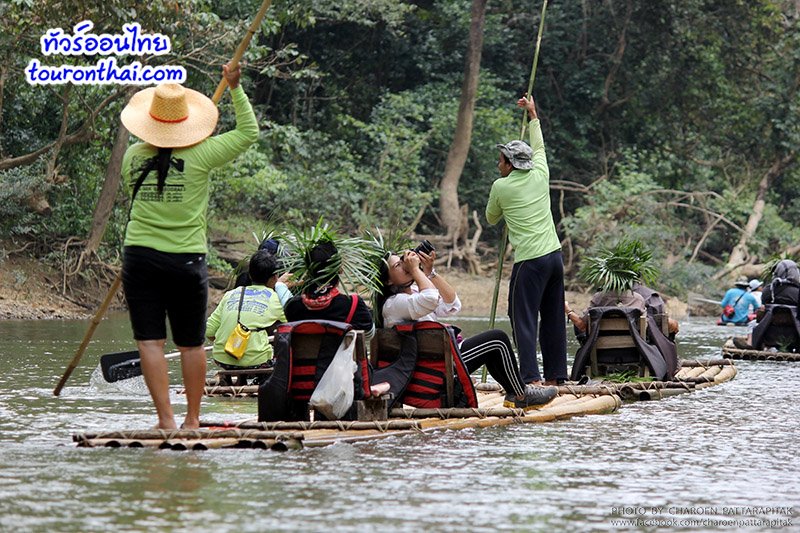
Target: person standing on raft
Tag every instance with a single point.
(522, 197)
(164, 271)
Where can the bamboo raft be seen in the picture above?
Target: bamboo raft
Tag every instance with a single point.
(572, 400)
(730, 351)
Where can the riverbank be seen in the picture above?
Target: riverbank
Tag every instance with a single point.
(29, 290)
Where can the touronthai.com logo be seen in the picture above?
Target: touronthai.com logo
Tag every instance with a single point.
(131, 42)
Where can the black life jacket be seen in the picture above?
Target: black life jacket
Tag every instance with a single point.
(423, 384)
(285, 395)
(659, 368)
(783, 332)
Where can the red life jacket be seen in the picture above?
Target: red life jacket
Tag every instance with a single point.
(296, 372)
(426, 385)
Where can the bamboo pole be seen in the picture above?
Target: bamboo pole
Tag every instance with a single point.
(98, 316)
(504, 238)
(164, 435)
(687, 373)
(237, 56)
(340, 425)
(112, 291)
(583, 406)
(231, 391)
(533, 67)
(495, 400)
(455, 413)
(759, 355)
(705, 362)
(727, 374)
(630, 393)
(582, 390)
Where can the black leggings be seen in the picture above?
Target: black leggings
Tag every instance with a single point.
(493, 349)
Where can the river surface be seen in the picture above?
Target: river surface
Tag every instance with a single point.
(711, 460)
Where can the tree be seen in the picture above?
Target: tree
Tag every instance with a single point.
(449, 208)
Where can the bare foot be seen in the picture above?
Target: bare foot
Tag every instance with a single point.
(190, 424)
(166, 423)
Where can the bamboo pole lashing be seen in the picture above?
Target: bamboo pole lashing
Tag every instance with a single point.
(704, 362)
(160, 434)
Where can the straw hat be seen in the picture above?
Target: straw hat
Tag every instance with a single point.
(170, 116)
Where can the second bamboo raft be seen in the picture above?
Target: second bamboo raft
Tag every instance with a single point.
(730, 351)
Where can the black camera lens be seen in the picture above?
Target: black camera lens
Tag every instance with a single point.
(425, 247)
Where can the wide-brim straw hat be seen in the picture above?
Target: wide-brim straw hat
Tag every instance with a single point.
(170, 116)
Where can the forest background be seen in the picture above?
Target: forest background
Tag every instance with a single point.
(674, 122)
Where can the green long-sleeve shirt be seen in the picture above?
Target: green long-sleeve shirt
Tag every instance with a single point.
(523, 199)
(175, 221)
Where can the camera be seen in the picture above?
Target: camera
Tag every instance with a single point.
(425, 247)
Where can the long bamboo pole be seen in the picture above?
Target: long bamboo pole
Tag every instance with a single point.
(112, 291)
(504, 237)
(237, 56)
(98, 316)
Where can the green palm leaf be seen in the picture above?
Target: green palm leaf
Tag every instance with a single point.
(617, 269)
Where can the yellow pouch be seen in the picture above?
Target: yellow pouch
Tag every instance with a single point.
(236, 344)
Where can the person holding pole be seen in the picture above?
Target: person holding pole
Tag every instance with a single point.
(164, 271)
(521, 196)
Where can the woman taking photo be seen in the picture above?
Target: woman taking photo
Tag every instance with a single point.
(413, 291)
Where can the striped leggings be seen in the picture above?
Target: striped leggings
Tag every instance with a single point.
(493, 349)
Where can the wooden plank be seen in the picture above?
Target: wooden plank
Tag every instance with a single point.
(614, 324)
(621, 341)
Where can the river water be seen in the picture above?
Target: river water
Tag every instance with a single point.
(711, 460)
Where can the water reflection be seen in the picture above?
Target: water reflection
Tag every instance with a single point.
(732, 445)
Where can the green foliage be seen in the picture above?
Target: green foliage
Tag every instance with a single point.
(245, 186)
(628, 376)
(681, 277)
(771, 263)
(355, 262)
(16, 186)
(617, 269)
(652, 142)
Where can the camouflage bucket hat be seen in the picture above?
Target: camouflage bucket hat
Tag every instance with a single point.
(518, 153)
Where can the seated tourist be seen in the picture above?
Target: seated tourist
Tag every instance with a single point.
(785, 285)
(619, 273)
(257, 307)
(784, 289)
(736, 304)
(625, 298)
(321, 299)
(272, 246)
(756, 289)
(410, 293)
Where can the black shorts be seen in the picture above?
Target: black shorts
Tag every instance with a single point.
(159, 285)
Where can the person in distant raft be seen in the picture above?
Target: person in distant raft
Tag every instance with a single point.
(522, 197)
(164, 272)
(736, 304)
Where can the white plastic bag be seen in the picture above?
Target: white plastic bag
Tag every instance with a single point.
(334, 393)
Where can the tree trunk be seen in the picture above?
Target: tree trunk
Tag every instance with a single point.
(739, 254)
(459, 149)
(108, 194)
